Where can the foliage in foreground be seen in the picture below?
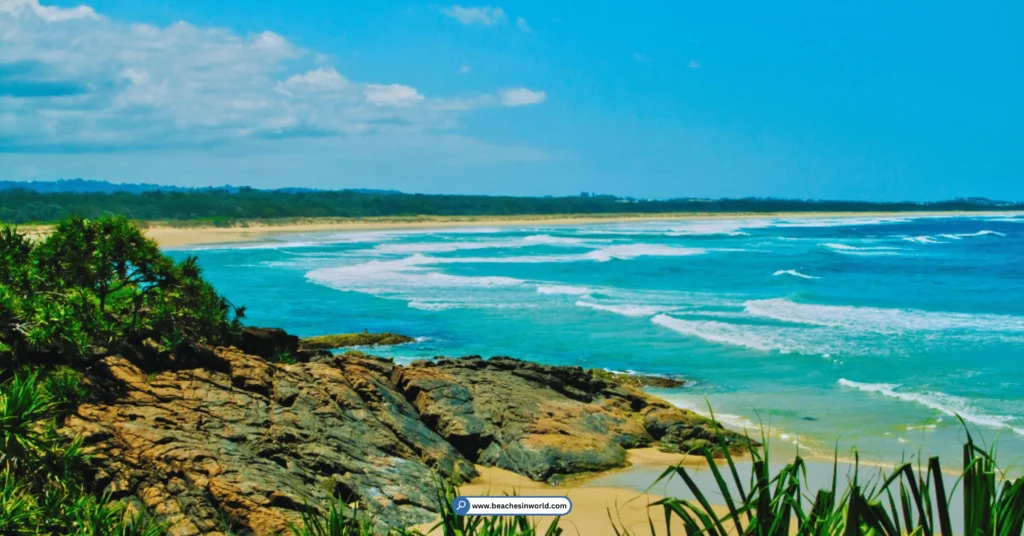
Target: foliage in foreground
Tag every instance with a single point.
(90, 287)
(97, 284)
(43, 485)
(905, 501)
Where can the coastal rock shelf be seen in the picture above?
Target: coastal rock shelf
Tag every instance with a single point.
(541, 421)
(242, 443)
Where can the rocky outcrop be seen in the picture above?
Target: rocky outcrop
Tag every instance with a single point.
(252, 446)
(344, 340)
(545, 422)
(637, 381)
(241, 444)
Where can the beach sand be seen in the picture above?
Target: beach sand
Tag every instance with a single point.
(174, 234)
(591, 504)
(185, 233)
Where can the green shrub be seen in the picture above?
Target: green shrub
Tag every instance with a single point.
(64, 387)
(43, 489)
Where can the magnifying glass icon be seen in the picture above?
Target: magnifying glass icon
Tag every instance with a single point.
(461, 506)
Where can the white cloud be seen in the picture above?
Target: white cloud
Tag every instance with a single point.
(73, 80)
(523, 26)
(693, 64)
(521, 97)
(485, 15)
(465, 69)
(391, 95)
(19, 8)
(321, 80)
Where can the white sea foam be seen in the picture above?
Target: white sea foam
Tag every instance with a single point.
(746, 336)
(700, 407)
(847, 249)
(985, 232)
(569, 290)
(922, 239)
(837, 222)
(394, 277)
(795, 273)
(627, 309)
(941, 402)
(548, 240)
(879, 320)
(632, 251)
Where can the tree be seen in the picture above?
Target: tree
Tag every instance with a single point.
(102, 282)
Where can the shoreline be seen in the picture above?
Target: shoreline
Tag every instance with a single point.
(592, 505)
(170, 234)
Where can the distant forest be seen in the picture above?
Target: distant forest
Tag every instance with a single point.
(227, 205)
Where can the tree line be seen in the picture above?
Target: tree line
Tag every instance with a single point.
(19, 206)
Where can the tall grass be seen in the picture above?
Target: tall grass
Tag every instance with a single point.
(904, 501)
(43, 489)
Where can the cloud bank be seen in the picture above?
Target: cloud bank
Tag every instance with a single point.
(74, 80)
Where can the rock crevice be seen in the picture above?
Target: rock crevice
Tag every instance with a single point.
(246, 446)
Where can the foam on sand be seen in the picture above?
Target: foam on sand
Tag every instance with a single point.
(941, 402)
(794, 273)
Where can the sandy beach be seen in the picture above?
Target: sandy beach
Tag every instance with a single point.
(592, 503)
(182, 234)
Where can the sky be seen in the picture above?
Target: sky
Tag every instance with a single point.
(863, 100)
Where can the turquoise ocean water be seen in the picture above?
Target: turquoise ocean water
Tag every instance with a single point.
(868, 331)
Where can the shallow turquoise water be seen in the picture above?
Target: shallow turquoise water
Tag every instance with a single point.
(866, 331)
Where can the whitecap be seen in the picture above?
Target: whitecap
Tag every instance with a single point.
(569, 290)
(548, 240)
(984, 232)
(632, 251)
(944, 403)
(922, 239)
(795, 273)
(879, 320)
(759, 338)
(847, 249)
(628, 309)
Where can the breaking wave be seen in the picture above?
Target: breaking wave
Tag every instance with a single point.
(794, 273)
(941, 402)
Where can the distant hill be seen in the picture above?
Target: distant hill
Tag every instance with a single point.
(83, 186)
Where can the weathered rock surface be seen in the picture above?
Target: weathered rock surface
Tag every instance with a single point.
(638, 381)
(252, 446)
(543, 421)
(343, 340)
(226, 441)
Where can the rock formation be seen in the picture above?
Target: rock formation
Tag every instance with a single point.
(227, 441)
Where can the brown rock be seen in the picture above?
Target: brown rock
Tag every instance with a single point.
(258, 443)
(543, 421)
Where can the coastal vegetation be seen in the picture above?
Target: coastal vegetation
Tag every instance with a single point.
(89, 288)
(235, 205)
(95, 315)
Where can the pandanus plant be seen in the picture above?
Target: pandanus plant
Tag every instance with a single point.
(905, 501)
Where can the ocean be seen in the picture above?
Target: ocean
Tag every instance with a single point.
(866, 332)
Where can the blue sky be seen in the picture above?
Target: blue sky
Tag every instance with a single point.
(870, 100)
